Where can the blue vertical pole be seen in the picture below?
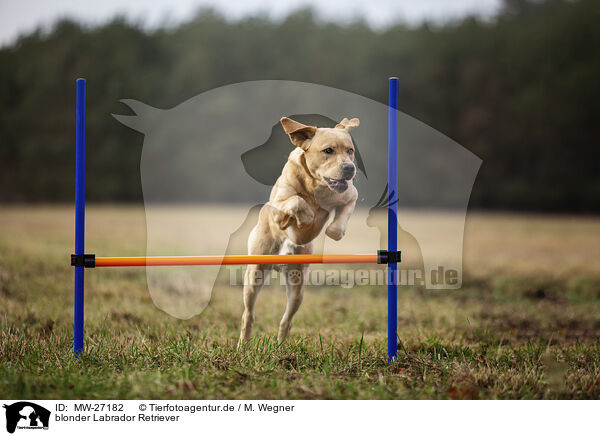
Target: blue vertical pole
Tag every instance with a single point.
(79, 214)
(392, 216)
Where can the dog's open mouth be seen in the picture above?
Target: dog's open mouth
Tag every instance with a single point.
(338, 185)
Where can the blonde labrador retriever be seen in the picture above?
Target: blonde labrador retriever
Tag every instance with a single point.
(316, 180)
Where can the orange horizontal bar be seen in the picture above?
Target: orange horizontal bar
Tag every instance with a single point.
(276, 259)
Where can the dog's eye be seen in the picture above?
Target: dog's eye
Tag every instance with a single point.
(350, 152)
(328, 150)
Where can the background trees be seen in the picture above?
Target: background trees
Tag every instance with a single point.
(521, 92)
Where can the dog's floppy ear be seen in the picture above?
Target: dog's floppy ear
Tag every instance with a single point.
(348, 124)
(299, 133)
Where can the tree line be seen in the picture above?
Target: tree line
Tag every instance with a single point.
(519, 90)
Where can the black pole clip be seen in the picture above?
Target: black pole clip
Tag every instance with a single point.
(387, 257)
(85, 260)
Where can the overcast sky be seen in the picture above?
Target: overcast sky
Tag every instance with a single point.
(21, 16)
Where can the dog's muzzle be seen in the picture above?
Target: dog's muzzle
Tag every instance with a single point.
(340, 185)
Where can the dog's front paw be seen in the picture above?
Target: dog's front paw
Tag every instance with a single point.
(335, 232)
(305, 217)
(283, 219)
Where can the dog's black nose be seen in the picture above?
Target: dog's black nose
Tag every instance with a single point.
(347, 171)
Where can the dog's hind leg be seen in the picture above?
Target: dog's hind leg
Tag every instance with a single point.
(258, 243)
(294, 275)
(295, 293)
(253, 282)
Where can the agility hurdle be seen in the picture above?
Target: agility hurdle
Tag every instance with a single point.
(81, 260)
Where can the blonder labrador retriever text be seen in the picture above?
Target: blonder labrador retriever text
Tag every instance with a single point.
(316, 180)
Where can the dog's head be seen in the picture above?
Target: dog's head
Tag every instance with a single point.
(328, 152)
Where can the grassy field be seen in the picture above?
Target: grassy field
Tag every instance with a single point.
(525, 325)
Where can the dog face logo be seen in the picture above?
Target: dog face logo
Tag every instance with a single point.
(294, 277)
(26, 415)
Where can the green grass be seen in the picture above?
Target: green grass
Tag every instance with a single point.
(502, 336)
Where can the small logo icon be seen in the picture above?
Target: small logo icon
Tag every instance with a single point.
(26, 415)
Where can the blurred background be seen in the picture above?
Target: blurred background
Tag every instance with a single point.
(513, 81)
